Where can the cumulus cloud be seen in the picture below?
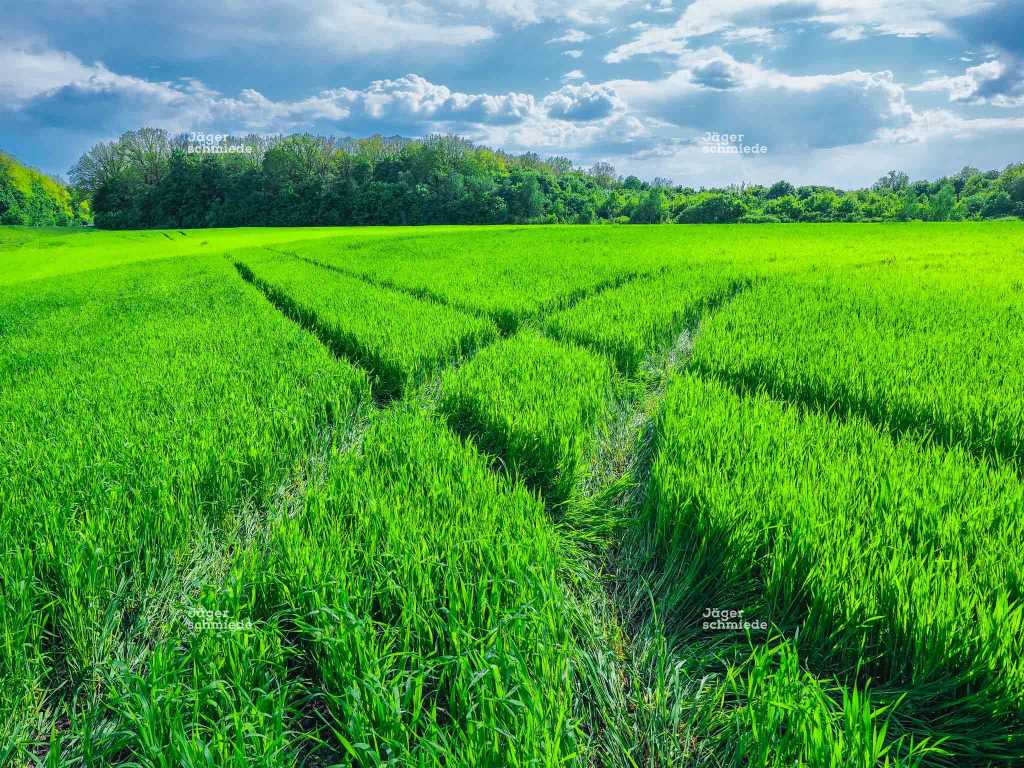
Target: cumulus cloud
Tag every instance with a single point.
(713, 91)
(941, 124)
(414, 97)
(994, 28)
(101, 103)
(848, 34)
(26, 72)
(620, 135)
(720, 73)
(64, 89)
(584, 102)
(999, 82)
(574, 53)
(574, 74)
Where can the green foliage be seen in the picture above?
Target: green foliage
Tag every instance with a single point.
(820, 724)
(149, 179)
(145, 405)
(398, 339)
(510, 275)
(711, 208)
(28, 197)
(832, 533)
(640, 318)
(452, 640)
(894, 349)
(652, 209)
(533, 402)
(406, 611)
(838, 454)
(30, 253)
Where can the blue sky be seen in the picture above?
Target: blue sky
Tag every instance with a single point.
(836, 91)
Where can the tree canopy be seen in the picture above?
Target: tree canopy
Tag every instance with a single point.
(30, 197)
(148, 178)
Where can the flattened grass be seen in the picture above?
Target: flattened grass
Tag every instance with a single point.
(644, 316)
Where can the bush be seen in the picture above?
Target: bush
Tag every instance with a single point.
(759, 218)
(713, 208)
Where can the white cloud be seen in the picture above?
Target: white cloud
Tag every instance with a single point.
(583, 102)
(60, 82)
(660, 6)
(706, 17)
(585, 12)
(999, 82)
(574, 74)
(575, 53)
(849, 34)
(415, 97)
(753, 35)
(935, 124)
(575, 116)
(620, 134)
(846, 166)
(359, 27)
(26, 72)
(713, 91)
(571, 36)
(327, 29)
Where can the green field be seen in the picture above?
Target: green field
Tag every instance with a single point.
(513, 496)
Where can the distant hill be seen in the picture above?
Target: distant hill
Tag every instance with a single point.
(33, 198)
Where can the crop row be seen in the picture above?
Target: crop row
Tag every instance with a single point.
(887, 560)
(906, 356)
(399, 339)
(539, 405)
(509, 276)
(535, 403)
(143, 406)
(407, 611)
(642, 317)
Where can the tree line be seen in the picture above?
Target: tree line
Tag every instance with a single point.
(148, 178)
(32, 198)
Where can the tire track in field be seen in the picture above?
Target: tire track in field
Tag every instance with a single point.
(917, 427)
(307, 320)
(638, 661)
(613, 494)
(604, 602)
(311, 323)
(607, 602)
(646, 645)
(505, 327)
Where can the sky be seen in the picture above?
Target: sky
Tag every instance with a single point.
(819, 91)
